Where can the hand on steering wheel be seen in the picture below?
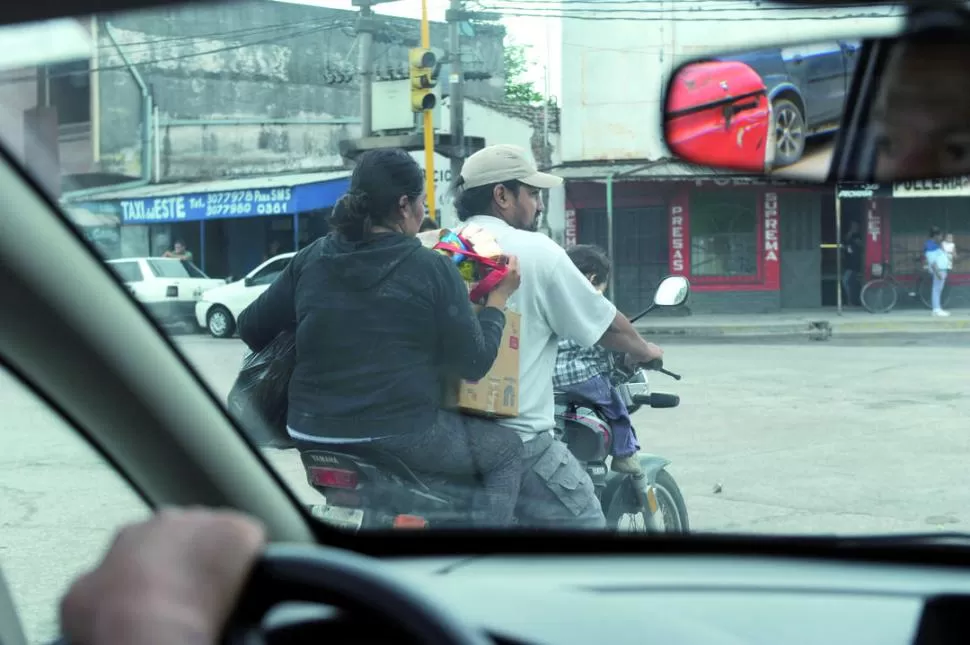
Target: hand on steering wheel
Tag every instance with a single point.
(186, 576)
(298, 573)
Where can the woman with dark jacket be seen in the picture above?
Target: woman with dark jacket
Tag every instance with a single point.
(382, 324)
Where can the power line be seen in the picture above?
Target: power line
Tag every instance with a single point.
(229, 33)
(207, 52)
(664, 16)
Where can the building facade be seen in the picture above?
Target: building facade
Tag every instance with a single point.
(897, 219)
(229, 224)
(747, 245)
(219, 125)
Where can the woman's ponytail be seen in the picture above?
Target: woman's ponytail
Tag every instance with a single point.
(351, 216)
(380, 179)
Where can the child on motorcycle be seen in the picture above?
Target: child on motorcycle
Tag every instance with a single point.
(585, 370)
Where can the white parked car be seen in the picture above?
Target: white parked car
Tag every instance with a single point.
(168, 287)
(219, 308)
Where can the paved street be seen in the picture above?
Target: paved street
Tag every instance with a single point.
(814, 164)
(858, 435)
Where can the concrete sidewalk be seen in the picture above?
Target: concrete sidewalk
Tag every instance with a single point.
(819, 324)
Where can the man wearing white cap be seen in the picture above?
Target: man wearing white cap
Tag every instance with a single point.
(499, 190)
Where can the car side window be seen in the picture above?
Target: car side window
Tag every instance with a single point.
(60, 506)
(127, 271)
(269, 272)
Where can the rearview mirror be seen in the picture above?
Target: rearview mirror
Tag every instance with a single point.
(672, 291)
(889, 108)
(718, 113)
(773, 111)
(248, 282)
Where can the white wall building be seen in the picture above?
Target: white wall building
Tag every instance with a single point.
(499, 122)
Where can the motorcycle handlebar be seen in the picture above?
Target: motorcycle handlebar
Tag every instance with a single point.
(657, 400)
(657, 365)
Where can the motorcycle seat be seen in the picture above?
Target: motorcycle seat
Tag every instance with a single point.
(572, 398)
(389, 464)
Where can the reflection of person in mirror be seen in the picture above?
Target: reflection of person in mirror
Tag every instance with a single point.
(179, 251)
(922, 111)
(852, 252)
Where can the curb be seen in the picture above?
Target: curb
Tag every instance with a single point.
(820, 329)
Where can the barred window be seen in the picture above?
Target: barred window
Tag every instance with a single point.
(724, 233)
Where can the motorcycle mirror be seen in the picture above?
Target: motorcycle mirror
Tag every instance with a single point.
(672, 291)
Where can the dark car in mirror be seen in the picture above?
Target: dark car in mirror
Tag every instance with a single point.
(887, 109)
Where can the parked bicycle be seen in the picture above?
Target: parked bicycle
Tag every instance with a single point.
(880, 294)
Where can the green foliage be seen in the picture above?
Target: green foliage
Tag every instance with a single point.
(518, 90)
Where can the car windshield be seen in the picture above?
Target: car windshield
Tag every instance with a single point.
(164, 268)
(820, 331)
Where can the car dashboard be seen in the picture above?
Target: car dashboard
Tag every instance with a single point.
(709, 600)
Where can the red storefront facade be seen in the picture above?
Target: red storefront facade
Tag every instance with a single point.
(746, 246)
(767, 270)
(897, 220)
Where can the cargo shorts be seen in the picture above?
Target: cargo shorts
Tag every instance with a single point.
(556, 490)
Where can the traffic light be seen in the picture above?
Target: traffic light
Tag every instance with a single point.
(422, 63)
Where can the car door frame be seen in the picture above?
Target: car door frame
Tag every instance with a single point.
(151, 434)
(822, 89)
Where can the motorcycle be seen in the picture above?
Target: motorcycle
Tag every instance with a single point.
(369, 489)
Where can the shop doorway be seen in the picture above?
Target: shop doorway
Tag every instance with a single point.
(853, 210)
(800, 229)
(641, 247)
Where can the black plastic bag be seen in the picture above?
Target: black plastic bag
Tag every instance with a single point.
(259, 397)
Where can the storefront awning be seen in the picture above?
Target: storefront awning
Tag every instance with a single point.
(659, 169)
(223, 199)
(88, 219)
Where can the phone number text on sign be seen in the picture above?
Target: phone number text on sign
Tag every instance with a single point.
(240, 203)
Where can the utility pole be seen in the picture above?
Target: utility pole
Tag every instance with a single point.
(365, 63)
(423, 66)
(457, 89)
(428, 124)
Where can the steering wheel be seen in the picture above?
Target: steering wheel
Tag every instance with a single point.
(298, 573)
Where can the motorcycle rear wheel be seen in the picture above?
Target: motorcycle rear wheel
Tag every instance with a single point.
(624, 514)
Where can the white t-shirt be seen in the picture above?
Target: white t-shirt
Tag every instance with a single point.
(950, 248)
(939, 259)
(555, 300)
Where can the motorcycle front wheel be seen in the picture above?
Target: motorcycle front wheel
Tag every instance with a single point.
(625, 515)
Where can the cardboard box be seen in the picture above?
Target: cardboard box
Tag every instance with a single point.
(497, 393)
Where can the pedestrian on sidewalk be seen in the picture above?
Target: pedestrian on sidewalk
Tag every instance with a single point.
(938, 263)
(852, 252)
